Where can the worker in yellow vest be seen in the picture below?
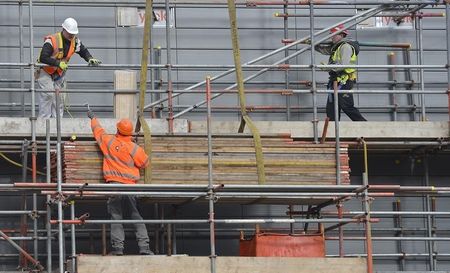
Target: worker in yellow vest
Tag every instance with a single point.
(56, 52)
(342, 51)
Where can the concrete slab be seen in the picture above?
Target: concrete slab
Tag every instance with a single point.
(379, 130)
(265, 127)
(351, 130)
(21, 127)
(185, 264)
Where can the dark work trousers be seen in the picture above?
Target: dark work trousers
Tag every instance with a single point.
(345, 103)
(116, 207)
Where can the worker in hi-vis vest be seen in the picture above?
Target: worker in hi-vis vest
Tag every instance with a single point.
(122, 159)
(56, 52)
(342, 51)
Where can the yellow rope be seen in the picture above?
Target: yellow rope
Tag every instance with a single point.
(18, 164)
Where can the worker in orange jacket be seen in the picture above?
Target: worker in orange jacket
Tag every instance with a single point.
(121, 163)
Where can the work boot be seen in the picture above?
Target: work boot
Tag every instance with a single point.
(117, 251)
(145, 251)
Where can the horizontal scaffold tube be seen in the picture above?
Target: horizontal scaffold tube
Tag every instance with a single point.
(278, 195)
(220, 2)
(218, 221)
(224, 188)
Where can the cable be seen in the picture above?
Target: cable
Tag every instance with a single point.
(66, 104)
(18, 164)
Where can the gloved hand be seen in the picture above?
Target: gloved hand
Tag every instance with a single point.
(94, 62)
(63, 65)
(307, 42)
(90, 114)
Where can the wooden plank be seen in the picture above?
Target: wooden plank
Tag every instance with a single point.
(125, 104)
(185, 264)
(184, 158)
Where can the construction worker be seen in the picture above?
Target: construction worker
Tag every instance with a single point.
(342, 51)
(121, 163)
(56, 52)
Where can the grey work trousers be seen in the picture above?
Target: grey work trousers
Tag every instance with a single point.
(47, 100)
(116, 207)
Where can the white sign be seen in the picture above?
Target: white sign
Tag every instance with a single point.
(387, 22)
(159, 18)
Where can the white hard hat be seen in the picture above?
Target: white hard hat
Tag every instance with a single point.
(70, 25)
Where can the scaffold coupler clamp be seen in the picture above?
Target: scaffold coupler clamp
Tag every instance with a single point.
(360, 141)
(83, 218)
(212, 196)
(34, 214)
(58, 197)
(251, 4)
(81, 189)
(38, 268)
(212, 192)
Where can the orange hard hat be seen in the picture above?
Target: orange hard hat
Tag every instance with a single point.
(125, 127)
(339, 27)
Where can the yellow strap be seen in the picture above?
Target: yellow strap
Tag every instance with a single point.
(142, 87)
(240, 84)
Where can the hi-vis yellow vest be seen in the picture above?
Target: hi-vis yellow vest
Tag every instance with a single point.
(347, 73)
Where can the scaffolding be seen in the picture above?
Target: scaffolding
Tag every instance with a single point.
(318, 197)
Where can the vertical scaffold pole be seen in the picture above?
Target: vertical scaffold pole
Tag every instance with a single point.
(422, 79)
(336, 131)
(21, 56)
(169, 68)
(286, 53)
(72, 237)
(33, 125)
(212, 236)
(313, 72)
(429, 224)
(366, 205)
(48, 226)
(447, 32)
(59, 182)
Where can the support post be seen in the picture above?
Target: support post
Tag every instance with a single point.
(336, 132)
(313, 73)
(447, 34)
(398, 223)
(340, 210)
(392, 77)
(366, 205)
(48, 226)
(211, 195)
(422, 79)
(24, 218)
(59, 183)
(73, 238)
(169, 68)
(286, 53)
(429, 224)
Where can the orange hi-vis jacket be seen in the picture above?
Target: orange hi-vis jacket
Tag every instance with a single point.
(58, 52)
(122, 157)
